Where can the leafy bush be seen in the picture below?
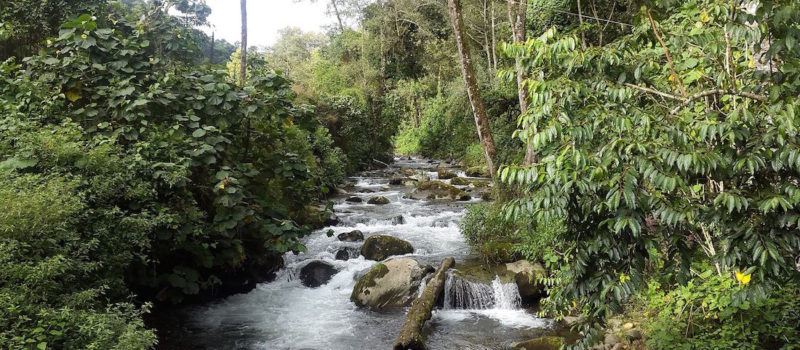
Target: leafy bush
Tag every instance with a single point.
(631, 171)
(716, 312)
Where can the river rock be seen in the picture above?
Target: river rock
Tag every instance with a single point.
(541, 343)
(525, 275)
(379, 200)
(354, 199)
(611, 340)
(633, 334)
(352, 236)
(398, 220)
(381, 247)
(477, 171)
(396, 181)
(316, 273)
(437, 190)
(392, 283)
(445, 174)
(347, 253)
(459, 181)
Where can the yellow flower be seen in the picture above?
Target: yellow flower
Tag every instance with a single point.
(624, 278)
(671, 78)
(84, 36)
(222, 186)
(49, 42)
(704, 16)
(752, 63)
(742, 278)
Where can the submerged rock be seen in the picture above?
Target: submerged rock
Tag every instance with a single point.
(316, 273)
(541, 343)
(396, 181)
(354, 199)
(398, 220)
(392, 283)
(378, 200)
(459, 181)
(381, 247)
(437, 190)
(352, 236)
(347, 253)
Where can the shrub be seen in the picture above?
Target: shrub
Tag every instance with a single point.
(715, 311)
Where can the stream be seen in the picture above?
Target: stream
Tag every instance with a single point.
(284, 314)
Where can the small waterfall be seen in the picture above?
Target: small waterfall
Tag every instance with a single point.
(462, 294)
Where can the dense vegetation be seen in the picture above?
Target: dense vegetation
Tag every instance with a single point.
(648, 155)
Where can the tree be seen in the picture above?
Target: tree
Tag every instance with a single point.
(473, 91)
(243, 57)
(517, 10)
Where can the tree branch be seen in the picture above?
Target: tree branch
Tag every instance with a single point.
(666, 52)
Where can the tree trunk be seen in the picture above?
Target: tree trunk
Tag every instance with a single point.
(243, 58)
(517, 13)
(211, 51)
(338, 16)
(486, 44)
(494, 39)
(474, 94)
(410, 337)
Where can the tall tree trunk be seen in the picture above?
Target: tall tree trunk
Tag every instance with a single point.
(474, 94)
(486, 45)
(338, 15)
(243, 58)
(211, 51)
(494, 39)
(517, 14)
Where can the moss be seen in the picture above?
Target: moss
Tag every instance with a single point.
(382, 246)
(367, 281)
(476, 270)
(459, 181)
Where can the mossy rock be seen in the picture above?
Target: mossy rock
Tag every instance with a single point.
(459, 181)
(378, 200)
(541, 343)
(444, 174)
(478, 171)
(437, 190)
(393, 283)
(381, 247)
(476, 270)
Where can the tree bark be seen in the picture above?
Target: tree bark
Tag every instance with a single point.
(211, 51)
(486, 45)
(410, 337)
(243, 58)
(517, 14)
(474, 94)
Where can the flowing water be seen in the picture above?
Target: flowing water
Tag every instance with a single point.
(284, 314)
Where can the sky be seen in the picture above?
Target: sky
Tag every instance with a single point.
(265, 18)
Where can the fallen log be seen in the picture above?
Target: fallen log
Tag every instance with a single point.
(410, 337)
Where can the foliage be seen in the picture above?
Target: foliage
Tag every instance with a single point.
(131, 168)
(633, 164)
(717, 312)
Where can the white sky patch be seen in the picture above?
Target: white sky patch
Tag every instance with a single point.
(265, 18)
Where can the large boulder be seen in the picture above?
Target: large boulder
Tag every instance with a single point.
(526, 275)
(437, 190)
(381, 247)
(316, 273)
(347, 253)
(392, 283)
(354, 199)
(352, 236)
(379, 200)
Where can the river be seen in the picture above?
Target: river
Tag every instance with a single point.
(284, 314)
